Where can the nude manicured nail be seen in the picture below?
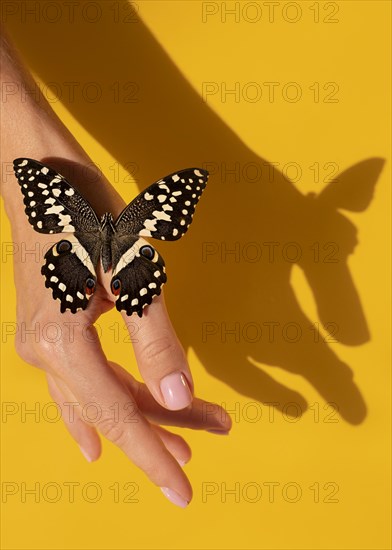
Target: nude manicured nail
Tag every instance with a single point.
(175, 391)
(174, 497)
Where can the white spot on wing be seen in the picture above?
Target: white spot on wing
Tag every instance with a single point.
(65, 221)
(148, 197)
(62, 286)
(69, 298)
(150, 225)
(143, 291)
(54, 209)
(161, 215)
(175, 177)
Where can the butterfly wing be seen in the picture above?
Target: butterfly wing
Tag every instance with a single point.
(138, 273)
(69, 272)
(54, 206)
(165, 209)
(51, 203)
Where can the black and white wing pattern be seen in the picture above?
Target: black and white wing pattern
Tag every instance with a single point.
(70, 273)
(138, 275)
(54, 206)
(51, 203)
(165, 209)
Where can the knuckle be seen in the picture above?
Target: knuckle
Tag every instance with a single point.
(112, 430)
(36, 338)
(159, 349)
(49, 355)
(25, 352)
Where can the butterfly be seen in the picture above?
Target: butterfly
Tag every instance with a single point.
(163, 211)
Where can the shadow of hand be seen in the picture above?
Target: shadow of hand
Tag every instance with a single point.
(229, 291)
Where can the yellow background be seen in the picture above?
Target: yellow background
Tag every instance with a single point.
(169, 127)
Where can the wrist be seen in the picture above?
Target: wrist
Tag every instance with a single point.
(31, 129)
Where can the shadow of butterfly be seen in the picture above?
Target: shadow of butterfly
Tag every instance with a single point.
(163, 211)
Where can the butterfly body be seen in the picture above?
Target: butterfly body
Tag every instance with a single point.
(107, 231)
(163, 211)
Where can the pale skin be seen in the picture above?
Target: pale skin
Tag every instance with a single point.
(76, 368)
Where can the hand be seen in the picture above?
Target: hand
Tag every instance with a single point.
(76, 367)
(105, 398)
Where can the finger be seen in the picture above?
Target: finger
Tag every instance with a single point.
(201, 415)
(85, 435)
(175, 444)
(161, 358)
(115, 414)
(82, 432)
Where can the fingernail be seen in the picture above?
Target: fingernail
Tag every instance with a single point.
(219, 432)
(181, 462)
(175, 391)
(174, 497)
(85, 454)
